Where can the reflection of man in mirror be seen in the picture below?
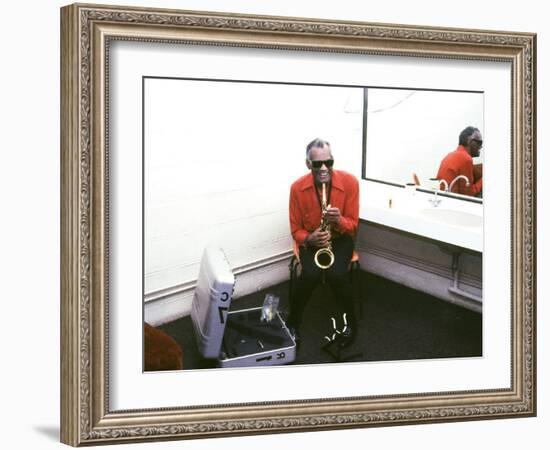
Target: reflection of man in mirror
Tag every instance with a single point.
(460, 162)
(341, 215)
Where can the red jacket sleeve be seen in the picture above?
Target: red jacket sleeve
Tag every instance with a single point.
(468, 170)
(299, 233)
(477, 187)
(349, 218)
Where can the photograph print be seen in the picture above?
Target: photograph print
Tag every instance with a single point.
(294, 223)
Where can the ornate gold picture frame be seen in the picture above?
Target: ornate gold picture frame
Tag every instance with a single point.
(87, 32)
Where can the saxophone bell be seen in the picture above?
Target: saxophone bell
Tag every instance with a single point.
(324, 258)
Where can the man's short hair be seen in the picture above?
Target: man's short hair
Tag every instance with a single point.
(316, 143)
(465, 134)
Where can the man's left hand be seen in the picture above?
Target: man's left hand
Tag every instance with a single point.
(333, 215)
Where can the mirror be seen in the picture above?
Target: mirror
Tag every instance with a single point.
(410, 132)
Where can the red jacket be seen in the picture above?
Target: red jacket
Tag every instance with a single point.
(458, 163)
(305, 210)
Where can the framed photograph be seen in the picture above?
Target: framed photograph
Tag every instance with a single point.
(182, 133)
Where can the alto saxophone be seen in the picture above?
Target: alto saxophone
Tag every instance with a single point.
(324, 257)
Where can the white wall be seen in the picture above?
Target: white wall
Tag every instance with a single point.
(219, 158)
(29, 240)
(219, 161)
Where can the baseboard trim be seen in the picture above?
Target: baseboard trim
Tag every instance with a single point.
(434, 284)
(419, 264)
(190, 285)
(170, 304)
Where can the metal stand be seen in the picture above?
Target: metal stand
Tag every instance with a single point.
(337, 343)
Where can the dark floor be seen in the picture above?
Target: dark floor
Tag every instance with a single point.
(395, 323)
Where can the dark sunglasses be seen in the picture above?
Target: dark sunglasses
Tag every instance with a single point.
(478, 141)
(318, 164)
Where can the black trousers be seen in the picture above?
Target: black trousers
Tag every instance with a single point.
(336, 276)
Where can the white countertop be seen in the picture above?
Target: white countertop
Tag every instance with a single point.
(452, 221)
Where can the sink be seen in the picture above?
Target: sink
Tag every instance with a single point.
(453, 217)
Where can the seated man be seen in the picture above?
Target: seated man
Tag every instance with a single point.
(460, 162)
(342, 191)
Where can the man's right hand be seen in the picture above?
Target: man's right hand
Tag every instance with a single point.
(318, 238)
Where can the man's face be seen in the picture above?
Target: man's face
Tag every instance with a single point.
(475, 143)
(319, 162)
